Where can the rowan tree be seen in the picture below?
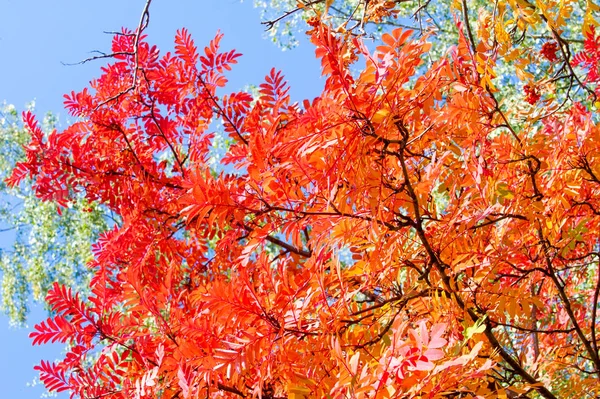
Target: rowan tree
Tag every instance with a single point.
(472, 228)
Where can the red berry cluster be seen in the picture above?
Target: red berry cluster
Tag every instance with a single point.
(549, 50)
(531, 94)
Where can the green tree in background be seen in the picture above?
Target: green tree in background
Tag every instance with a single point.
(37, 244)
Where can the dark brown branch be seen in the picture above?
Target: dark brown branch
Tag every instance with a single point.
(533, 330)
(270, 24)
(283, 244)
(225, 388)
(381, 334)
(465, 11)
(567, 303)
(595, 310)
(492, 96)
(142, 25)
(501, 217)
(221, 112)
(162, 133)
(99, 57)
(450, 285)
(402, 299)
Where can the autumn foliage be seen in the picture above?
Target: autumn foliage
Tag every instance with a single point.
(398, 236)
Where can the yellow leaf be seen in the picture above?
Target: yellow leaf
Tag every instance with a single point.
(380, 115)
(476, 328)
(588, 19)
(358, 269)
(298, 391)
(328, 4)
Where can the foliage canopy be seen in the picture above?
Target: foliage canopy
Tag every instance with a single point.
(473, 225)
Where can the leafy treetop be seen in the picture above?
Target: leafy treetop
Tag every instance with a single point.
(523, 49)
(474, 241)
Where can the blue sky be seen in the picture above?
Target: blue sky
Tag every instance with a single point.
(36, 37)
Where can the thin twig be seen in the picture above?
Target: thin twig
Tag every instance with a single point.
(142, 25)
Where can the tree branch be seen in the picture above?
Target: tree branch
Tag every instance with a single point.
(448, 284)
